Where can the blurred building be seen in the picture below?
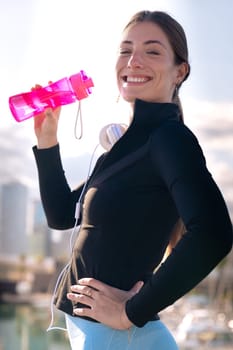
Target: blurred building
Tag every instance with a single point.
(23, 226)
(14, 221)
(40, 238)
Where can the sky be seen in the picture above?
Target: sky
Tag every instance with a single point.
(44, 40)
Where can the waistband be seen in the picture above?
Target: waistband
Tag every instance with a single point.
(155, 318)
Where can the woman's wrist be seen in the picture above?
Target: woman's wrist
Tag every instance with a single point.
(126, 323)
(47, 143)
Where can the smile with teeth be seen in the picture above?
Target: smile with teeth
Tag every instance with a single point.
(131, 79)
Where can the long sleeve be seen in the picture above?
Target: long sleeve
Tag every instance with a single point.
(57, 198)
(177, 157)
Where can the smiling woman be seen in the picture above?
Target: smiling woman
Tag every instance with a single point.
(149, 68)
(151, 186)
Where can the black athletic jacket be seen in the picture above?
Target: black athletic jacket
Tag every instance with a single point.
(129, 208)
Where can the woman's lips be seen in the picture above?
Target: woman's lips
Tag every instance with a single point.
(136, 79)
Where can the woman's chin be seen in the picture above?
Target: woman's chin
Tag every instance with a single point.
(130, 98)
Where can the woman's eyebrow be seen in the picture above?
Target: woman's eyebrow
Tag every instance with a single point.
(148, 42)
(154, 42)
(127, 42)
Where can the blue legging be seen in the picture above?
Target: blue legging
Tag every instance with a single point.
(87, 335)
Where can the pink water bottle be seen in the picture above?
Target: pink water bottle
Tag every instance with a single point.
(62, 92)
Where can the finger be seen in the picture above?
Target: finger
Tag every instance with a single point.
(136, 288)
(53, 113)
(57, 111)
(85, 290)
(36, 87)
(38, 120)
(81, 298)
(49, 112)
(91, 282)
(83, 312)
(99, 286)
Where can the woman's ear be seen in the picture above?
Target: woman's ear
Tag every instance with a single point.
(182, 72)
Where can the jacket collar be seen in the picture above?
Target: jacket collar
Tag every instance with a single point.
(150, 115)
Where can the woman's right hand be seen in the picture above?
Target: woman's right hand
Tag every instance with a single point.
(46, 126)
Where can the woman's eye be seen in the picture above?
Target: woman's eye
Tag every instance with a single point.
(124, 52)
(153, 52)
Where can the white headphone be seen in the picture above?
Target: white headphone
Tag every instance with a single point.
(110, 134)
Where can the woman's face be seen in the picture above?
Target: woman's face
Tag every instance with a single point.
(145, 67)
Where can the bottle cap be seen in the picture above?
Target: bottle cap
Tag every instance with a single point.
(81, 85)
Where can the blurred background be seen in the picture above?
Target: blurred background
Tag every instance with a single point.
(46, 40)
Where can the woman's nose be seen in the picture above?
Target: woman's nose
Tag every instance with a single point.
(135, 61)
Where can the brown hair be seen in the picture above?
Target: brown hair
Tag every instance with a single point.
(177, 39)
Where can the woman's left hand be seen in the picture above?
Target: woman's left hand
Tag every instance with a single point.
(106, 304)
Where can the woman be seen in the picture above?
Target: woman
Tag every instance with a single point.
(115, 285)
